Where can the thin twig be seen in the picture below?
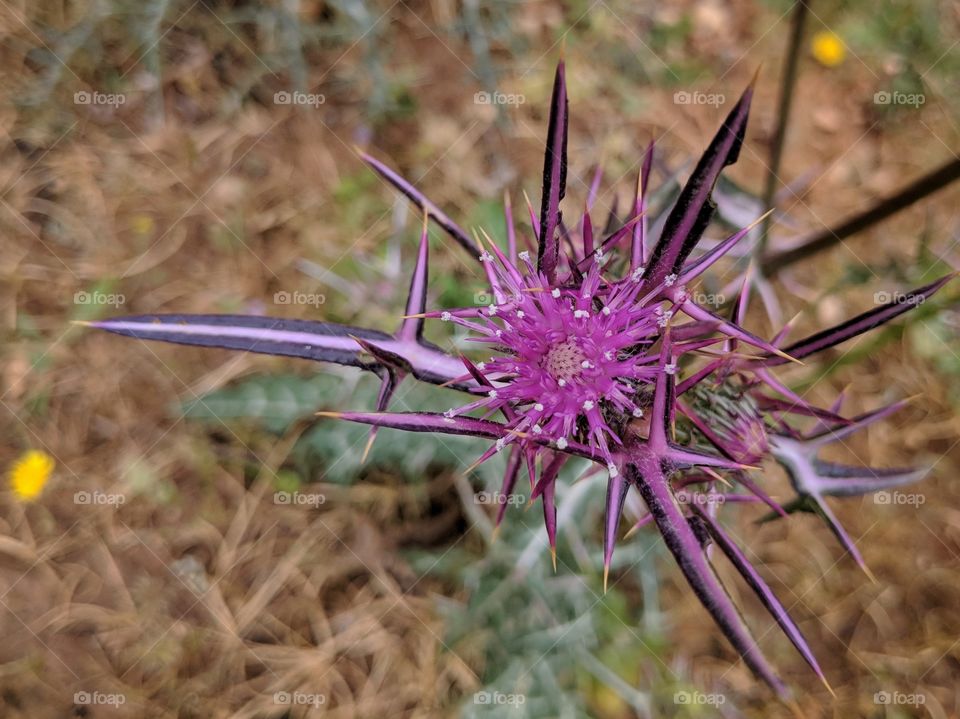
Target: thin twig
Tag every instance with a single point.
(788, 83)
(881, 210)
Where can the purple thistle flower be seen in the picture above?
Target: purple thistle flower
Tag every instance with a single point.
(625, 369)
(566, 358)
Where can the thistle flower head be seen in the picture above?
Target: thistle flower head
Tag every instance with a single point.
(567, 359)
(728, 415)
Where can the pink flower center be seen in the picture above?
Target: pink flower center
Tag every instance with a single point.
(564, 360)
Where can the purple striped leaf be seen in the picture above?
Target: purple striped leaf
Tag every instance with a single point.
(305, 339)
(841, 480)
(554, 177)
(760, 588)
(638, 245)
(426, 422)
(509, 480)
(686, 549)
(695, 208)
(861, 323)
(420, 200)
(411, 327)
(617, 487)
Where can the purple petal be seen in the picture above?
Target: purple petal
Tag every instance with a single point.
(611, 241)
(412, 327)
(554, 177)
(686, 549)
(694, 208)
(638, 249)
(550, 519)
(760, 587)
(853, 425)
(586, 233)
(509, 480)
(695, 311)
(616, 495)
(861, 323)
(391, 380)
(841, 480)
(307, 339)
(417, 198)
(697, 267)
(426, 422)
(549, 474)
(511, 229)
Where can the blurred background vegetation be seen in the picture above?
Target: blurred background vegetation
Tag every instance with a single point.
(148, 167)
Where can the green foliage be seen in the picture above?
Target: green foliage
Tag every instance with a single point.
(552, 644)
(331, 450)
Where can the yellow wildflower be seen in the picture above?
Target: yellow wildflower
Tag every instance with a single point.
(30, 473)
(828, 48)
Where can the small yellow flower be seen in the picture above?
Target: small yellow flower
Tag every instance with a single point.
(828, 48)
(30, 473)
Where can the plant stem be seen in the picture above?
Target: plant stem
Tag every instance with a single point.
(787, 84)
(881, 210)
